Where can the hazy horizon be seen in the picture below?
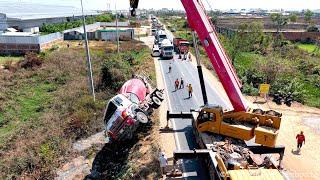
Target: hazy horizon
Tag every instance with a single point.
(176, 5)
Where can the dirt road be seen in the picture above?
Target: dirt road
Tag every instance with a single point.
(295, 119)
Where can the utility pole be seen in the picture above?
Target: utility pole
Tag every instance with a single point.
(90, 79)
(117, 29)
(203, 88)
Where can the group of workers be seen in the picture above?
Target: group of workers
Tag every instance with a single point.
(180, 84)
(185, 56)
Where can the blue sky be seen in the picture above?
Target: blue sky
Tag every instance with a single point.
(176, 4)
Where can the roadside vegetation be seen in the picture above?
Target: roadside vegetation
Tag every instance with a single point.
(45, 105)
(59, 27)
(289, 67)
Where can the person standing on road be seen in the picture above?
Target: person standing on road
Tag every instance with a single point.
(170, 68)
(190, 90)
(163, 162)
(181, 84)
(176, 83)
(185, 56)
(300, 139)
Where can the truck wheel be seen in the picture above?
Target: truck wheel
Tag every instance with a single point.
(156, 102)
(141, 117)
(159, 95)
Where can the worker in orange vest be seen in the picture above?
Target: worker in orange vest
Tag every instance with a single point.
(176, 83)
(300, 139)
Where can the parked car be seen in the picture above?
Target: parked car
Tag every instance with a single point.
(155, 51)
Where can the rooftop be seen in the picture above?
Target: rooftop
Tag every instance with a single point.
(26, 11)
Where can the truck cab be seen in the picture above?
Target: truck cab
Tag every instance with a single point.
(119, 116)
(160, 36)
(166, 49)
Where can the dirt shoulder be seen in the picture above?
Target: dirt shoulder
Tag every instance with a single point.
(295, 119)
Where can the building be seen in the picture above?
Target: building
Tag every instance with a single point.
(111, 34)
(26, 17)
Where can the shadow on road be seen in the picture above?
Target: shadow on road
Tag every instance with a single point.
(296, 152)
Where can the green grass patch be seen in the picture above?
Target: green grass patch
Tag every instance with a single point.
(4, 59)
(310, 48)
(313, 95)
(245, 60)
(33, 99)
(28, 105)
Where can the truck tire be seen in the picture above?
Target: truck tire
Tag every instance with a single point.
(155, 102)
(142, 117)
(159, 95)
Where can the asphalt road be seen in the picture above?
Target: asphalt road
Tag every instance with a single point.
(179, 101)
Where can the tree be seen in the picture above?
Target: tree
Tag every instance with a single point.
(308, 15)
(293, 18)
(279, 20)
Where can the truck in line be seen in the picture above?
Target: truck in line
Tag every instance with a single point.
(181, 46)
(166, 51)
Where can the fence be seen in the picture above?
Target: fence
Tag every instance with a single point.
(20, 43)
(289, 35)
(113, 24)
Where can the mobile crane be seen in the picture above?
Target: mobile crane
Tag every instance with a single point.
(222, 134)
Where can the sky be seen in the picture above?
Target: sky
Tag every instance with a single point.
(176, 4)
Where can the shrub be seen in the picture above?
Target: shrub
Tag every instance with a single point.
(312, 29)
(31, 61)
(115, 72)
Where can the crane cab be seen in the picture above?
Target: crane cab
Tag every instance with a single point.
(261, 125)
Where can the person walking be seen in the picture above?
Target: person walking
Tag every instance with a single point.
(169, 68)
(181, 84)
(190, 90)
(163, 162)
(300, 139)
(176, 83)
(184, 56)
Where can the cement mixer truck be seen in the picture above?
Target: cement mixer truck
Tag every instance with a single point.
(133, 105)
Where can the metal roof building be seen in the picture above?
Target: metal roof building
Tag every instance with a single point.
(23, 16)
